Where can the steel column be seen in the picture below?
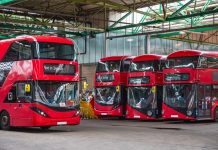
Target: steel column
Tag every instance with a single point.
(147, 44)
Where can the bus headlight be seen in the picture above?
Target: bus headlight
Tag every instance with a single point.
(189, 112)
(39, 111)
(162, 112)
(77, 113)
(149, 113)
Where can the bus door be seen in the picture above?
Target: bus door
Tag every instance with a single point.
(204, 101)
(20, 97)
(123, 93)
(159, 99)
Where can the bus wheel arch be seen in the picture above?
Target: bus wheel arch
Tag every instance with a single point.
(4, 120)
(216, 114)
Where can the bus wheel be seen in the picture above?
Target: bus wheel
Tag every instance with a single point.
(5, 121)
(216, 114)
(45, 128)
(122, 118)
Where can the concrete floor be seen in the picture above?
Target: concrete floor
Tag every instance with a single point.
(115, 135)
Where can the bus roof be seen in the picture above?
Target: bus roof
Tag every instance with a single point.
(148, 57)
(190, 53)
(113, 58)
(40, 38)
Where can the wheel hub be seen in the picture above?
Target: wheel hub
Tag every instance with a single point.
(4, 120)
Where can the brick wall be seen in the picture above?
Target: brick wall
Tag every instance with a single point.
(87, 71)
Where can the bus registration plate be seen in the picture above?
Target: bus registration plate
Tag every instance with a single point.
(136, 116)
(61, 123)
(174, 116)
(103, 114)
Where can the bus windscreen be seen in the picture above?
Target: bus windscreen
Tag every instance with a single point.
(56, 51)
(57, 94)
(140, 97)
(108, 66)
(182, 62)
(144, 66)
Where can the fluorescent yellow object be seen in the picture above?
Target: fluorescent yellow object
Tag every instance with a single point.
(27, 88)
(153, 89)
(118, 88)
(85, 85)
(86, 110)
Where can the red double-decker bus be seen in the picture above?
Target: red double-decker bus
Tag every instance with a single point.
(191, 85)
(110, 81)
(145, 87)
(38, 82)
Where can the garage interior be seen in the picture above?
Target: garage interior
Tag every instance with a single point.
(103, 28)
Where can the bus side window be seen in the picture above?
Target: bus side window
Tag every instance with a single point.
(11, 97)
(200, 93)
(207, 96)
(25, 50)
(215, 93)
(202, 63)
(162, 65)
(12, 53)
(212, 62)
(24, 93)
(19, 50)
(125, 66)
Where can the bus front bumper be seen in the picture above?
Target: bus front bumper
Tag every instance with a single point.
(115, 112)
(42, 121)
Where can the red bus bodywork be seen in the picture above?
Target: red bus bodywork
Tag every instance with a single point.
(190, 89)
(144, 98)
(115, 87)
(24, 113)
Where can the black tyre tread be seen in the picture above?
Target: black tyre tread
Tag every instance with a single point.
(7, 127)
(45, 127)
(216, 114)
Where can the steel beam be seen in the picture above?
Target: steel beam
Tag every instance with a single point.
(147, 44)
(118, 21)
(110, 4)
(41, 23)
(202, 10)
(181, 8)
(167, 20)
(2, 2)
(48, 30)
(188, 40)
(165, 31)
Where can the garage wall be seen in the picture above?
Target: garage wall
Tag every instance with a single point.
(87, 72)
(95, 46)
(134, 46)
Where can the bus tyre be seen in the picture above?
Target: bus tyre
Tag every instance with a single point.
(121, 118)
(216, 114)
(45, 128)
(5, 121)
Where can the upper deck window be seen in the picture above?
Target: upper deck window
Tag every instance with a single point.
(108, 66)
(19, 50)
(125, 65)
(56, 51)
(212, 62)
(144, 66)
(182, 62)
